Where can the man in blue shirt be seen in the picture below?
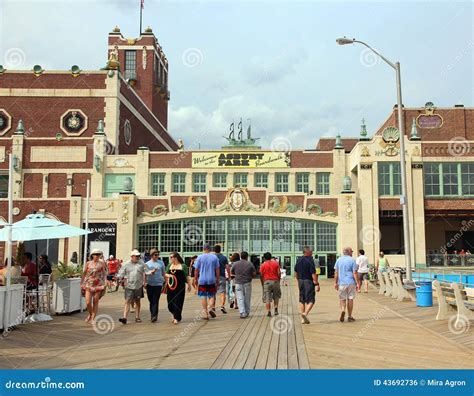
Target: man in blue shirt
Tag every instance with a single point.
(154, 282)
(221, 286)
(346, 282)
(207, 273)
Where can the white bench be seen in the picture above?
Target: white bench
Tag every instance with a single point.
(393, 278)
(406, 291)
(383, 288)
(446, 301)
(464, 306)
(388, 284)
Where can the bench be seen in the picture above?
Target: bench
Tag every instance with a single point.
(406, 291)
(383, 288)
(446, 301)
(465, 306)
(393, 278)
(388, 284)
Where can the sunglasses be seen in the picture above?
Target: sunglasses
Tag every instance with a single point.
(136, 256)
(155, 254)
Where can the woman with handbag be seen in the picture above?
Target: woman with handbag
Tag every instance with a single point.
(93, 283)
(177, 276)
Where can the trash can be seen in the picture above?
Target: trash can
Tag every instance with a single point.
(424, 294)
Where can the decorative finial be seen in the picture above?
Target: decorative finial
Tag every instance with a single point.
(75, 70)
(37, 70)
(100, 128)
(363, 129)
(2, 69)
(180, 145)
(116, 29)
(338, 144)
(414, 131)
(148, 30)
(20, 129)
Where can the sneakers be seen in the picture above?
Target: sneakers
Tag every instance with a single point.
(223, 310)
(276, 311)
(154, 319)
(269, 314)
(123, 320)
(212, 313)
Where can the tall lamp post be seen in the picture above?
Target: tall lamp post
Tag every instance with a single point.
(404, 197)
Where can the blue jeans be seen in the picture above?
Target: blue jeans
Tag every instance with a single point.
(244, 294)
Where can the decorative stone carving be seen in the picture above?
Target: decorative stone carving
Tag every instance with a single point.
(315, 209)
(158, 210)
(125, 204)
(416, 152)
(365, 152)
(121, 163)
(144, 58)
(390, 142)
(237, 199)
(110, 205)
(349, 208)
(194, 205)
(282, 206)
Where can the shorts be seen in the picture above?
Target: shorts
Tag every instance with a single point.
(363, 276)
(133, 294)
(307, 291)
(347, 292)
(271, 291)
(110, 277)
(221, 286)
(208, 291)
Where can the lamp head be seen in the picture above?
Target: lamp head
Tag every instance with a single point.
(344, 41)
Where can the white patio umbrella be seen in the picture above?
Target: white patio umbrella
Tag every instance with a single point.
(37, 227)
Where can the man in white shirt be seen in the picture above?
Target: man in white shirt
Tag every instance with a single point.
(363, 270)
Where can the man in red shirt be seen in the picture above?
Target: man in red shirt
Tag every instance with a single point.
(113, 267)
(270, 277)
(29, 270)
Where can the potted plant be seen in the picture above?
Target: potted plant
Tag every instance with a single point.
(67, 296)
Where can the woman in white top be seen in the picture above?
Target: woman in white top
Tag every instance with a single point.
(363, 270)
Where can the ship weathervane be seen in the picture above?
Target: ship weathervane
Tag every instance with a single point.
(240, 142)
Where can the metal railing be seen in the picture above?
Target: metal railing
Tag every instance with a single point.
(450, 260)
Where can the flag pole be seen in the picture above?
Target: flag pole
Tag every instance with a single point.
(141, 14)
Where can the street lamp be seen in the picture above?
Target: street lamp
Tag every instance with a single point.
(404, 197)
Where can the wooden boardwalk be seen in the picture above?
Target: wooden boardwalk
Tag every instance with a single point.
(386, 334)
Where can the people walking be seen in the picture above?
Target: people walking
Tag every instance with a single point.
(307, 275)
(270, 275)
(133, 272)
(192, 273)
(243, 271)
(382, 263)
(221, 287)
(154, 282)
(346, 282)
(232, 295)
(363, 270)
(113, 266)
(177, 276)
(207, 274)
(93, 283)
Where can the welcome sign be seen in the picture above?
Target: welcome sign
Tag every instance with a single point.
(235, 159)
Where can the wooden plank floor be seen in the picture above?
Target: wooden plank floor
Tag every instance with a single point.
(226, 342)
(386, 334)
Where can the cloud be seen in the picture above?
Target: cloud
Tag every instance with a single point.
(261, 71)
(302, 125)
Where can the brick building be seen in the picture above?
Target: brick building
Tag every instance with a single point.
(110, 127)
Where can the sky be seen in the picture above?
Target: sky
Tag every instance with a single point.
(275, 63)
